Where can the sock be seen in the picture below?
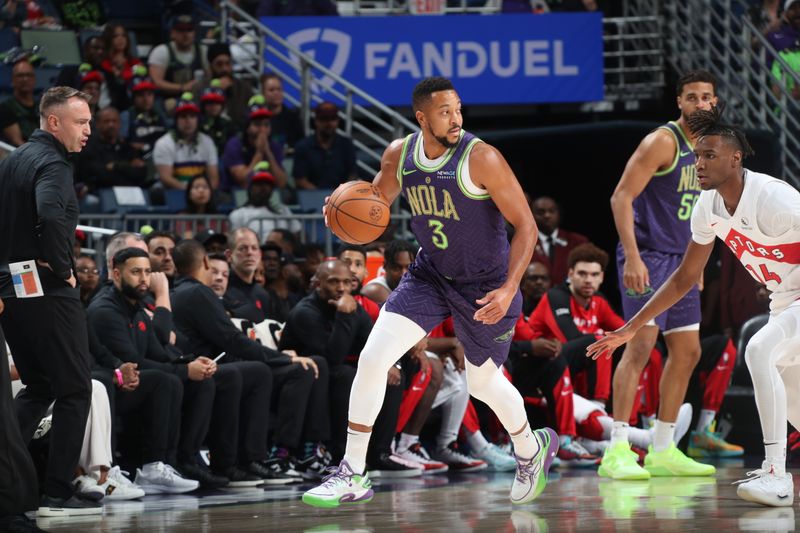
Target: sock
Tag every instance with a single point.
(776, 455)
(641, 438)
(564, 440)
(662, 435)
(406, 441)
(477, 442)
(525, 444)
(355, 453)
(706, 417)
(619, 432)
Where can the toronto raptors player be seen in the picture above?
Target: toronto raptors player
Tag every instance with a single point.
(758, 218)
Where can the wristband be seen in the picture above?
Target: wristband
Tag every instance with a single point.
(118, 373)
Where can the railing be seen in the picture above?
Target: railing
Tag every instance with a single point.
(633, 52)
(99, 227)
(372, 126)
(733, 49)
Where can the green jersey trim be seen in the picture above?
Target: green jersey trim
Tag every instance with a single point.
(447, 157)
(403, 154)
(677, 153)
(683, 135)
(460, 179)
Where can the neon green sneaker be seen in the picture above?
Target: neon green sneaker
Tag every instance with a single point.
(673, 462)
(620, 462)
(709, 443)
(342, 486)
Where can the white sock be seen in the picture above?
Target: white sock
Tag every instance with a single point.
(407, 441)
(641, 438)
(662, 435)
(619, 432)
(477, 442)
(525, 444)
(706, 417)
(356, 450)
(563, 440)
(776, 455)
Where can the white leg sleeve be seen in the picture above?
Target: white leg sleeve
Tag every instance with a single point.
(488, 384)
(391, 337)
(775, 344)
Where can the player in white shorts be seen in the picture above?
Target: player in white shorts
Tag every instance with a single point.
(758, 218)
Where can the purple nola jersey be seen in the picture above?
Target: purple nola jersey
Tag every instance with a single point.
(661, 214)
(460, 230)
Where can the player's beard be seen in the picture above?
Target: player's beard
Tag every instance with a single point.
(441, 140)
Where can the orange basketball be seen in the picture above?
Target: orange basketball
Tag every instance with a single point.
(358, 212)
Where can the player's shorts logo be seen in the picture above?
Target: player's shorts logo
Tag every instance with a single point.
(316, 42)
(505, 337)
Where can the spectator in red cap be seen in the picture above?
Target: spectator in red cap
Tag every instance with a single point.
(213, 121)
(237, 91)
(91, 82)
(324, 159)
(185, 152)
(244, 151)
(142, 124)
(262, 206)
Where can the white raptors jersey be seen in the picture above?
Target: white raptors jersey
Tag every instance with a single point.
(763, 233)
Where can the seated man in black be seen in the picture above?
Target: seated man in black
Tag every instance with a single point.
(108, 159)
(300, 383)
(329, 322)
(284, 291)
(245, 298)
(211, 395)
(150, 399)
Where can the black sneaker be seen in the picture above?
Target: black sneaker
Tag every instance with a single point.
(271, 472)
(239, 477)
(72, 506)
(314, 466)
(18, 524)
(202, 474)
(386, 466)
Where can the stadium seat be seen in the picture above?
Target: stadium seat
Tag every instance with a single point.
(59, 47)
(176, 200)
(310, 201)
(8, 39)
(46, 77)
(109, 204)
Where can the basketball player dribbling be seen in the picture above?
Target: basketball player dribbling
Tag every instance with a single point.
(460, 191)
(652, 204)
(758, 218)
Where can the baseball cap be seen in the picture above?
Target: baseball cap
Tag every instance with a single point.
(140, 80)
(261, 173)
(213, 93)
(257, 108)
(326, 111)
(186, 104)
(183, 23)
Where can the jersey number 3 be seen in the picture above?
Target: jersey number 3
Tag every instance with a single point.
(439, 238)
(765, 276)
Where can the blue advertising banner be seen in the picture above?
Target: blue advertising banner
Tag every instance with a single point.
(491, 59)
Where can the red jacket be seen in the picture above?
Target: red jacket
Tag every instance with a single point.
(594, 320)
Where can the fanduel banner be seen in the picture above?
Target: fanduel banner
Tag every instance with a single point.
(491, 59)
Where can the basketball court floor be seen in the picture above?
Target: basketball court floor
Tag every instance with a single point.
(575, 500)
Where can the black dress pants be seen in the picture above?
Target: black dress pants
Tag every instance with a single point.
(19, 491)
(240, 419)
(301, 403)
(48, 339)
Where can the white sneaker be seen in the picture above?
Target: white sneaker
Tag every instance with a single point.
(531, 475)
(160, 478)
(341, 486)
(118, 487)
(497, 459)
(87, 487)
(766, 487)
(457, 460)
(778, 520)
(416, 453)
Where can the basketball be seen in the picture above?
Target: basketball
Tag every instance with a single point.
(358, 212)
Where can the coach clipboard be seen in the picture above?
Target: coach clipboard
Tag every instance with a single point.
(25, 277)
